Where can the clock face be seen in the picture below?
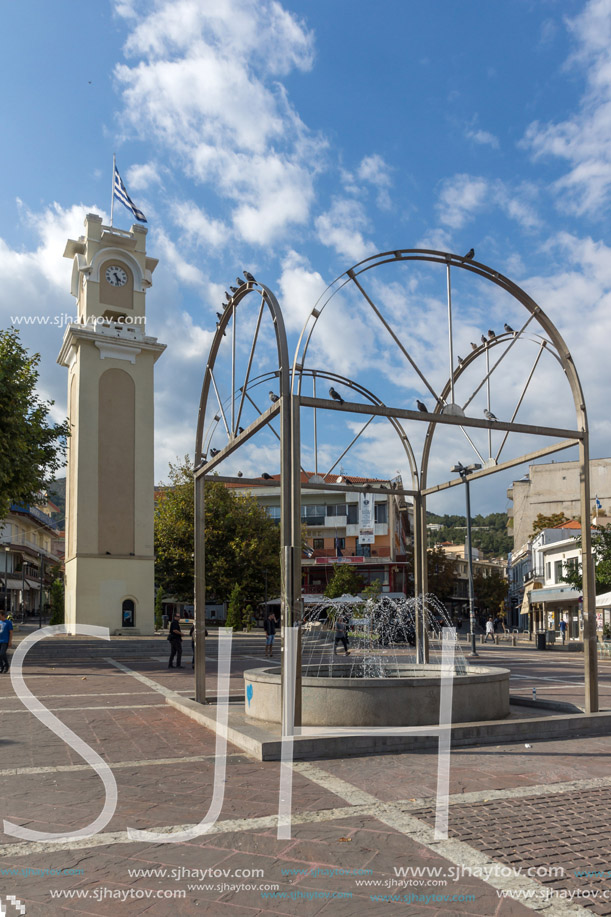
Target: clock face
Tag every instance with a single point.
(116, 276)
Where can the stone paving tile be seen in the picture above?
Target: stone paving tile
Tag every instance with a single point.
(569, 831)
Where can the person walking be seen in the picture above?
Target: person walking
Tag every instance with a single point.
(489, 630)
(563, 630)
(6, 640)
(341, 635)
(175, 638)
(270, 630)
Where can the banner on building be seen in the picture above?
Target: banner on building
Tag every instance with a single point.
(366, 519)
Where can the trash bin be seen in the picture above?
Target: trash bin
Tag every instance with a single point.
(550, 636)
(541, 640)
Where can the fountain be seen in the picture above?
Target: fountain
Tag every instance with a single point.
(383, 683)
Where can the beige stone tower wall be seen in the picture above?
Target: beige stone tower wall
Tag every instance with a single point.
(110, 478)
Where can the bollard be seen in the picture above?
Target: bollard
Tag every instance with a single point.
(497, 639)
(514, 640)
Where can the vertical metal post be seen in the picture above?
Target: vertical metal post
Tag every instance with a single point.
(296, 600)
(418, 575)
(42, 573)
(450, 333)
(200, 590)
(474, 652)
(588, 584)
(424, 576)
(488, 398)
(315, 426)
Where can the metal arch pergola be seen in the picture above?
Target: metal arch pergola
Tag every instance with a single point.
(446, 412)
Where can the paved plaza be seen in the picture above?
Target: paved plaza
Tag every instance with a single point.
(529, 827)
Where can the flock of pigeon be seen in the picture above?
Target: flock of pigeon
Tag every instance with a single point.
(335, 395)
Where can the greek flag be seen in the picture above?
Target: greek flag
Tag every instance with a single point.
(122, 195)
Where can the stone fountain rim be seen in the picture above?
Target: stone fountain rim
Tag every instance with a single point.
(478, 674)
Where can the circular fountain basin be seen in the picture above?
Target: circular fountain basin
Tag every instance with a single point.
(407, 695)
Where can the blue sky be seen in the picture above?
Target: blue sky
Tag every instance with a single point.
(294, 139)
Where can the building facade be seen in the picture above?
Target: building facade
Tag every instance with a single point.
(554, 488)
(372, 532)
(31, 548)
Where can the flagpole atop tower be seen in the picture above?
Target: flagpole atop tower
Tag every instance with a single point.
(112, 192)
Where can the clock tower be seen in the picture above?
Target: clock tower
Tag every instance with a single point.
(110, 479)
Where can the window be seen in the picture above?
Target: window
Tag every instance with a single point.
(571, 564)
(557, 571)
(381, 513)
(318, 543)
(313, 515)
(340, 543)
(548, 571)
(353, 513)
(273, 512)
(337, 509)
(363, 550)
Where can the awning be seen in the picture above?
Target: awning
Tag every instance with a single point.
(604, 600)
(554, 594)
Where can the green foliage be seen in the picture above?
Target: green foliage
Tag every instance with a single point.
(547, 522)
(247, 618)
(242, 541)
(234, 611)
(56, 595)
(441, 568)
(601, 548)
(373, 590)
(159, 609)
(490, 592)
(489, 533)
(35, 450)
(345, 581)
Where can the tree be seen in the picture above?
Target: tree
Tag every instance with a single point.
(242, 541)
(547, 522)
(344, 581)
(490, 591)
(234, 611)
(441, 573)
(601, 549)
(56, 596)
(159, 609)
(33, 450)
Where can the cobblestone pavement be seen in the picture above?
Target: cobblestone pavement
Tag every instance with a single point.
(362, 839)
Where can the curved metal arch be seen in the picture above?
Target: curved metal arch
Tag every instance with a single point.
(475, 267)
(373, 399)
(210, 430)
(267, 298)
(466, 363)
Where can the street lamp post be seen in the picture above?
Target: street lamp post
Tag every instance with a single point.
(464, 473)
(42, 573)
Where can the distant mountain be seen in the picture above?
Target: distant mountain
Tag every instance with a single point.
(489, 533)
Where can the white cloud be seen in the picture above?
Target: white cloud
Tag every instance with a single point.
(376, 171)
(341, 228)
(140, 177)
(463, 196)
(198, 227)
(583, 140)
(205, 86)
(484, 138)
